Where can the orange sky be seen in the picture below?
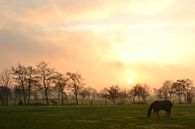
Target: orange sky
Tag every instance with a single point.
(108, 42)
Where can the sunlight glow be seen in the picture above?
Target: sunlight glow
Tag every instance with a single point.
(129, 80)
(124, 42)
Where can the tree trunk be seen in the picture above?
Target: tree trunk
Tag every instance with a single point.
(105, 101)
(179, 97)
(29, 92)
(125, 101)
(185, 97)
(76, 97)
(76, 94)
(59, 94)
(35, 94)
(6, 96)
(28, 102)
(62, 98)
(134, 99)
(46, 96)
(24, 94)
(113, 101)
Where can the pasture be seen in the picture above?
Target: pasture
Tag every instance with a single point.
(132, 116)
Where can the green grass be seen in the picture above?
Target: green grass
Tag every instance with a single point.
(131, 116)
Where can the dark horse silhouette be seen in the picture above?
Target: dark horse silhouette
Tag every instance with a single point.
(158, 105)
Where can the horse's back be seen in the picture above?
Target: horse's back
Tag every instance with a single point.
(163, 105)
(167, 102)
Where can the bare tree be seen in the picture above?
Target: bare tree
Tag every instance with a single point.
(165, 91)
(113, 93)
(30, 81)
(181, 88)
(62, 82)
(144, 92)
(76, 83)
(5, 81)
(190, 96)
(25, 78)
(123, 96)
(46, 77)
(19, 75)
(104, 94)
(140, 91)
(84, 93)
(92, 94)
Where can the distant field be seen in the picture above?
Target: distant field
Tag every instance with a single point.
(131, 116)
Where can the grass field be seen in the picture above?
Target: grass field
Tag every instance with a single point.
(131, 116)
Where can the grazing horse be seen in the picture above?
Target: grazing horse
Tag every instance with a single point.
(158, 105)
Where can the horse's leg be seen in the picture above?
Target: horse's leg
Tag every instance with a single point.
(169, 113)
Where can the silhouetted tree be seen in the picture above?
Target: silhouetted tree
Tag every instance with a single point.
(144, 92)
(19, 75)
(181, 88)
(46, 77)
(189, 97)
(37, 88)
(140, 91)
(30, 81)
(25, 78)
(76, 83)
(155, 93)
(165, 91)
(92, 93)
(17, 94)
(5, 81)
(104, 94)
(123, 96)
(61, 83)
(113, 93)
(84, 93)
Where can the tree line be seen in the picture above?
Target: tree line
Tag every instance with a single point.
(28, 81)
(27, 85)
(180, 89)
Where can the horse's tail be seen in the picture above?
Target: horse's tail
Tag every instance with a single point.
(150, 109)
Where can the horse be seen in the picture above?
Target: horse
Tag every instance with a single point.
(158, 105)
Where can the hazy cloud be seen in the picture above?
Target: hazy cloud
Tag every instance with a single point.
(107, 41)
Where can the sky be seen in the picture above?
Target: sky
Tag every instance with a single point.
(109, 42)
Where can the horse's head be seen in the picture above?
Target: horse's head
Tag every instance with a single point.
(150, 109)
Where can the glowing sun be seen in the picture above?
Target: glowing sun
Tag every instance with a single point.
(129, 80)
